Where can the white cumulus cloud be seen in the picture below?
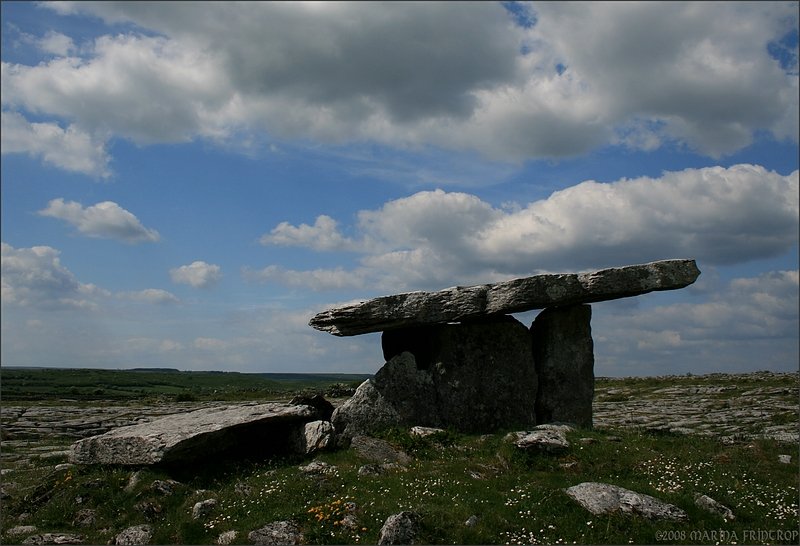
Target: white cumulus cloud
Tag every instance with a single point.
(197, 274)
(717, 215)
(104, 220)
(151, 295)
(35, 277)
(71, 149)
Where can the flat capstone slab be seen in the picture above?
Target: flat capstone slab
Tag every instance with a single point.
(193, 435)
(460, 304)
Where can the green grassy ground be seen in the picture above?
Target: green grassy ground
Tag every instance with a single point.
(517, 497)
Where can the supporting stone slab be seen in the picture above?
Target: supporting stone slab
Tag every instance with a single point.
(473, 377)
(563, 352)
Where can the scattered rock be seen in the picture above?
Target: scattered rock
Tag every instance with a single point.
(203, 509)
(563, 352)
(193, 435)
(20, 530)
(378, 451)
(63, 466)
(707, 503)
(242, 489)
(515, 296)
(54, 538)
(544, 438)
(276, 533)
(472, 521)
(785, 459)
(401, 528)
(164, 487)
(318, 467)
(318, 402)
(315, 436)
(86, 517)
(424, 432)
(148, 508)
(373, 469)
(133, 481)
(137, 534)
(227, 537)
(601, 498)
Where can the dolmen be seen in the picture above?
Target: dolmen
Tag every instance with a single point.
(457, 359)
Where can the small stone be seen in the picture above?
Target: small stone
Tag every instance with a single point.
(373, 469)
(86, 518)
(227, 537)
(401, 528)
(149, 509)
(424, 432)
(472, 521)
(707, 503)
(164, 487)
(318, 467)
(64, 466)
(133, 481)
(276, 533)
(314, 436)
(203, 509)
(785, 459)
(137, 534)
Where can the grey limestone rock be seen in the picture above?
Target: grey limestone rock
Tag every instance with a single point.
(20, 530)
(564, 357)
(227, 537)
(276, 533)
(379, 451)
(54, 538)
(602, 498)
(365, 412)
(515, 296)
(549, 440)
(315, 436)
(402, 528)
(193, 435)
(203, 509)
(138, 534)
(710, 505)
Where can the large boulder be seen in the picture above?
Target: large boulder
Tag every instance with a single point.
(197, 435)
(459, 304)
(564, 356)
(365, 412)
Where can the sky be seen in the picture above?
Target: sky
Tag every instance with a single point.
(186, 184)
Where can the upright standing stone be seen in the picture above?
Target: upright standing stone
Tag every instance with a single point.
(564, 359)
(481, 375)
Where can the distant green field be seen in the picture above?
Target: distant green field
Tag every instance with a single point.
(42, 384)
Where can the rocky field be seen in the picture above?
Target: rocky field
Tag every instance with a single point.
(665, 417)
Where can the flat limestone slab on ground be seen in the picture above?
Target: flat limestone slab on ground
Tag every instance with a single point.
(194, 435)
(515, 296)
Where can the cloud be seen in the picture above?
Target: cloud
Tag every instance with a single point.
(459, 76)
(71, 149)
(34, 277)
(749, 323)
(56, 43)
(151, 295)
(719, 216)
(197, 274)
(323, 235)
(317, 279)
(105, 220)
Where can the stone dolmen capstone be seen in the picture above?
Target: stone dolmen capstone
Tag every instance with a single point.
(459, 304)
(456, 359)
(197, 435)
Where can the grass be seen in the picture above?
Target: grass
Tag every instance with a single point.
(516, 497)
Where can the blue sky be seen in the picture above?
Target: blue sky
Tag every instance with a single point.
(186, 184)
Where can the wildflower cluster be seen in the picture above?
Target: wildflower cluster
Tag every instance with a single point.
(337, 517)
(667, 475)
